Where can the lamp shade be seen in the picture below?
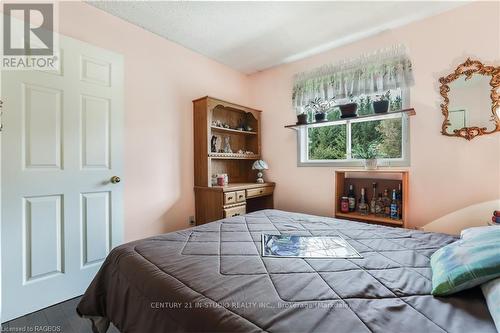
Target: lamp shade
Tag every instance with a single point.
(259, 165)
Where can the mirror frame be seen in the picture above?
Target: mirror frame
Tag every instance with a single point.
(467, 69)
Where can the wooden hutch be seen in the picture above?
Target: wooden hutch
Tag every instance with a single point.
(241, 126)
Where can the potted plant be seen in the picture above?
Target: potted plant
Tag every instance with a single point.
(302, 118)
(349, 110)
(368, 153)
(320, 108)
(320, 115)
(381, 105)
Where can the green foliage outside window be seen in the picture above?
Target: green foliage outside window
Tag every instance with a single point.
(330, 142)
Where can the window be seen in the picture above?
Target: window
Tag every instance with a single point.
(341, 142)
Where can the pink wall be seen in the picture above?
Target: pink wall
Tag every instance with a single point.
(446, 173)
(161, 80)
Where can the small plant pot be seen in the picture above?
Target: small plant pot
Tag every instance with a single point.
(302, 119)
(371, 164)
(348, 110)
(381, 106)
(320, 117)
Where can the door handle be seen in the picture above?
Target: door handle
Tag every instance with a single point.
(115, 180)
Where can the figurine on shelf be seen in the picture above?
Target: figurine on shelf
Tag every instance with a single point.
(213, 144)
(227, 146)
(242, 124)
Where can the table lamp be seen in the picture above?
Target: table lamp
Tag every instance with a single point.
(260, 165)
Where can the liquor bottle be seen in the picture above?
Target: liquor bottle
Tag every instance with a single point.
(387, 203)
(373, 202)
(352, 199)
(379, 206)
(363, 206)
(394, 206)
(344, 205)
(400, 201)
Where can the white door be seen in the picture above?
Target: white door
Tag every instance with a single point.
(61, 145)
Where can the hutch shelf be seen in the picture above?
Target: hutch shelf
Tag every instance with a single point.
(385, 178)
(217, 122)
(225, 156)
(230, 130)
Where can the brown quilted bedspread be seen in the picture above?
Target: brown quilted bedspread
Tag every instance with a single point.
(212, 278)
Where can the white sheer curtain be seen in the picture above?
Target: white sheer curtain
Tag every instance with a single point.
(379, 71)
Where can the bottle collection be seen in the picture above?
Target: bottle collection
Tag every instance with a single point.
(387, 204)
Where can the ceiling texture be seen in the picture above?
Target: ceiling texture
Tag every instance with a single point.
(253, 36)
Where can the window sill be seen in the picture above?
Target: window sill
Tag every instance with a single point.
(359, 164)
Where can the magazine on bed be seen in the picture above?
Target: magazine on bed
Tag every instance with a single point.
(307, 247)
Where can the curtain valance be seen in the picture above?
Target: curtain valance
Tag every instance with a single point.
(371, 73)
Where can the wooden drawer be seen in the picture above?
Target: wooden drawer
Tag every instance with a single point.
(259, 192)
(235, 211)
(240, 196)
(229, 198)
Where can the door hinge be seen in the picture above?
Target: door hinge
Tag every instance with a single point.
(1, 113)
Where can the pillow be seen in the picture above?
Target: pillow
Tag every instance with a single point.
(491, 291)
(466, 263)
(471, 232)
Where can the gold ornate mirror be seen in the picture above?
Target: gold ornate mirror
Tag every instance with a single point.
(471, 103)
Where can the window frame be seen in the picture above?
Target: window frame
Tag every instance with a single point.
(404, 161)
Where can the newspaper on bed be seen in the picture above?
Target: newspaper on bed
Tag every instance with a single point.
(307, 247)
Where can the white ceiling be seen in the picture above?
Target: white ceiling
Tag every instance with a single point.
(253, 36)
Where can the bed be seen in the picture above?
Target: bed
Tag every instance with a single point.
(212, 278)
